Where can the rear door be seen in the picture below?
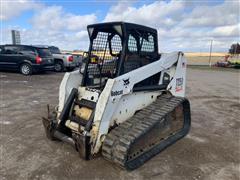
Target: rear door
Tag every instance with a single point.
(9, 57)
(29, 53)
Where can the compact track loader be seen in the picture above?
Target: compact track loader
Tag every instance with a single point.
(126, 102)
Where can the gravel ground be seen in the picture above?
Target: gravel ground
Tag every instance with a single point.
(210, 151)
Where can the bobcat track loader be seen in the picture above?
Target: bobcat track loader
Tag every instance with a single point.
(126, 102)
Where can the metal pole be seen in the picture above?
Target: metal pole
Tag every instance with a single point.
(210, 56)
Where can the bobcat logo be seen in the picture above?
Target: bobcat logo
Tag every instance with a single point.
(126, 82)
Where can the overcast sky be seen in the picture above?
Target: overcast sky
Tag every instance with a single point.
(188, 26)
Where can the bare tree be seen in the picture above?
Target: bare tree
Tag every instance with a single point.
(235, 49)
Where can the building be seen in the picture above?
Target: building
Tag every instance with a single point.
(16, 39)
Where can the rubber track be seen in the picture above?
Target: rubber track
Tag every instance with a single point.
(118, 142)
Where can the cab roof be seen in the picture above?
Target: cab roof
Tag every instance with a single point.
(126, 25)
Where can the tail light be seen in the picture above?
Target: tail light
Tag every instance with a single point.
(38, 60)
(70, 58)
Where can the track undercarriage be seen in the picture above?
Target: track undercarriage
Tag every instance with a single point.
(148, 132)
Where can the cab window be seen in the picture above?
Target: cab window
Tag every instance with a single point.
(147, 43)
(10, 50)
(44, 52)
(132, 44)
(27, 50)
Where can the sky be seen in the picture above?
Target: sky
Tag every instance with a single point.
(187, 26)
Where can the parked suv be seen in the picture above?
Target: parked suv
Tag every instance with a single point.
(62, 61)
(26, 59)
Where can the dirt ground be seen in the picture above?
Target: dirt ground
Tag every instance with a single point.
(210, 151)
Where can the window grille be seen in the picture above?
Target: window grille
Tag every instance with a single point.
(106, 49)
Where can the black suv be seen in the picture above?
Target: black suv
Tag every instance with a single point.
(26, 59)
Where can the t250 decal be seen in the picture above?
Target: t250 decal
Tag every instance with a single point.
(179, 84)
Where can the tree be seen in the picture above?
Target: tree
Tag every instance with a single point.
(235, 49)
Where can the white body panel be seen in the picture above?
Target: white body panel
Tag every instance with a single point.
(69, 81)
(117, 102)
(178, 84)
(102, 122)
(131, 103)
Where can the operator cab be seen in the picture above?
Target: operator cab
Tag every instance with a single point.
(117, 48)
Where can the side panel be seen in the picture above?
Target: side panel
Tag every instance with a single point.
(69, 81)
(103, 113)
(116, 89)
(130, 103)
(178, 84)
(10, 61)
(166, 61)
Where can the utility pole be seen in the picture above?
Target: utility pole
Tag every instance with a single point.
(210, 55)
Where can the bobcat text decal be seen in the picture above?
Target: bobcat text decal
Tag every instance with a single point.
(116, 93)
